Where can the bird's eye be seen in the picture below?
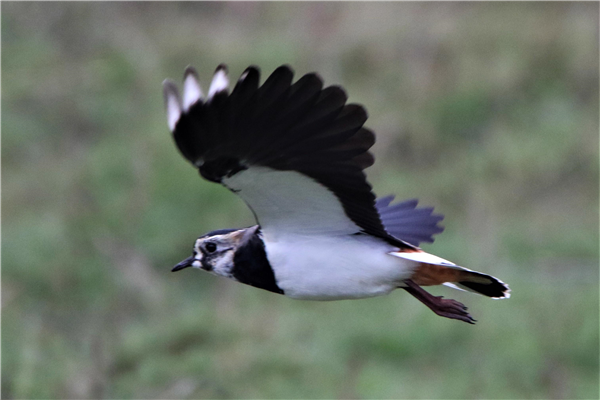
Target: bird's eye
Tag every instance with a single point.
(210, 247)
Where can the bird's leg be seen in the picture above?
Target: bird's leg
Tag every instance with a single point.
(443, 307)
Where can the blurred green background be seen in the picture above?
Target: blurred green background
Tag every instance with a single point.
(489, 111)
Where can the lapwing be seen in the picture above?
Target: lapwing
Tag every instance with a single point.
(295, 152)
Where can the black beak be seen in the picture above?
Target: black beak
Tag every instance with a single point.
(184, 264)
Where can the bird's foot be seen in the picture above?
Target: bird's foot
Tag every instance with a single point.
(447, 308)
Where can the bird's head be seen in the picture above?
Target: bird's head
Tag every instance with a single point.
(215, 251)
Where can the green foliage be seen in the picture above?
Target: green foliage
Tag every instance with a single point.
(489, 111)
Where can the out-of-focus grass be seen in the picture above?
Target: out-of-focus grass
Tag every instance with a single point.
(487, 111)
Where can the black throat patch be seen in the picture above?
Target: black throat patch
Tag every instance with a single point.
(252, 267)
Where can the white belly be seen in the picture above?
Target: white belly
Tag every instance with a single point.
(335, 267)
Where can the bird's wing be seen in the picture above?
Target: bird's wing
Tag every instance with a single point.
(294, 152)
(407, 222)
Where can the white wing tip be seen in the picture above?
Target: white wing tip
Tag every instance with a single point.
(172, 103)
(192, 92)
(220, 81)
(506, 293)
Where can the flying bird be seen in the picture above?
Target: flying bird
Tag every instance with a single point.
(295, 153)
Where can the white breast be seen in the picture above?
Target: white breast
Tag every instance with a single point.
(335, 267)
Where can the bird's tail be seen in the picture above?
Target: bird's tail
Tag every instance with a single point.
(432, 270)
(476, 282)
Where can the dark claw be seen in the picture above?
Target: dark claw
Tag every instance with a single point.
(453, 309)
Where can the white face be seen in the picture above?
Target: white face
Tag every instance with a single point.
(215, 253)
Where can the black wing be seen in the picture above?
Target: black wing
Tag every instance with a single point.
(407, 222)
(294, 152)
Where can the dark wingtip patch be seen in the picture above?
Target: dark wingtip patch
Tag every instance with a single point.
(169, 89)
(284, 68)
(222, 67)
(251, 71)
(190, 70)
(282, 75)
